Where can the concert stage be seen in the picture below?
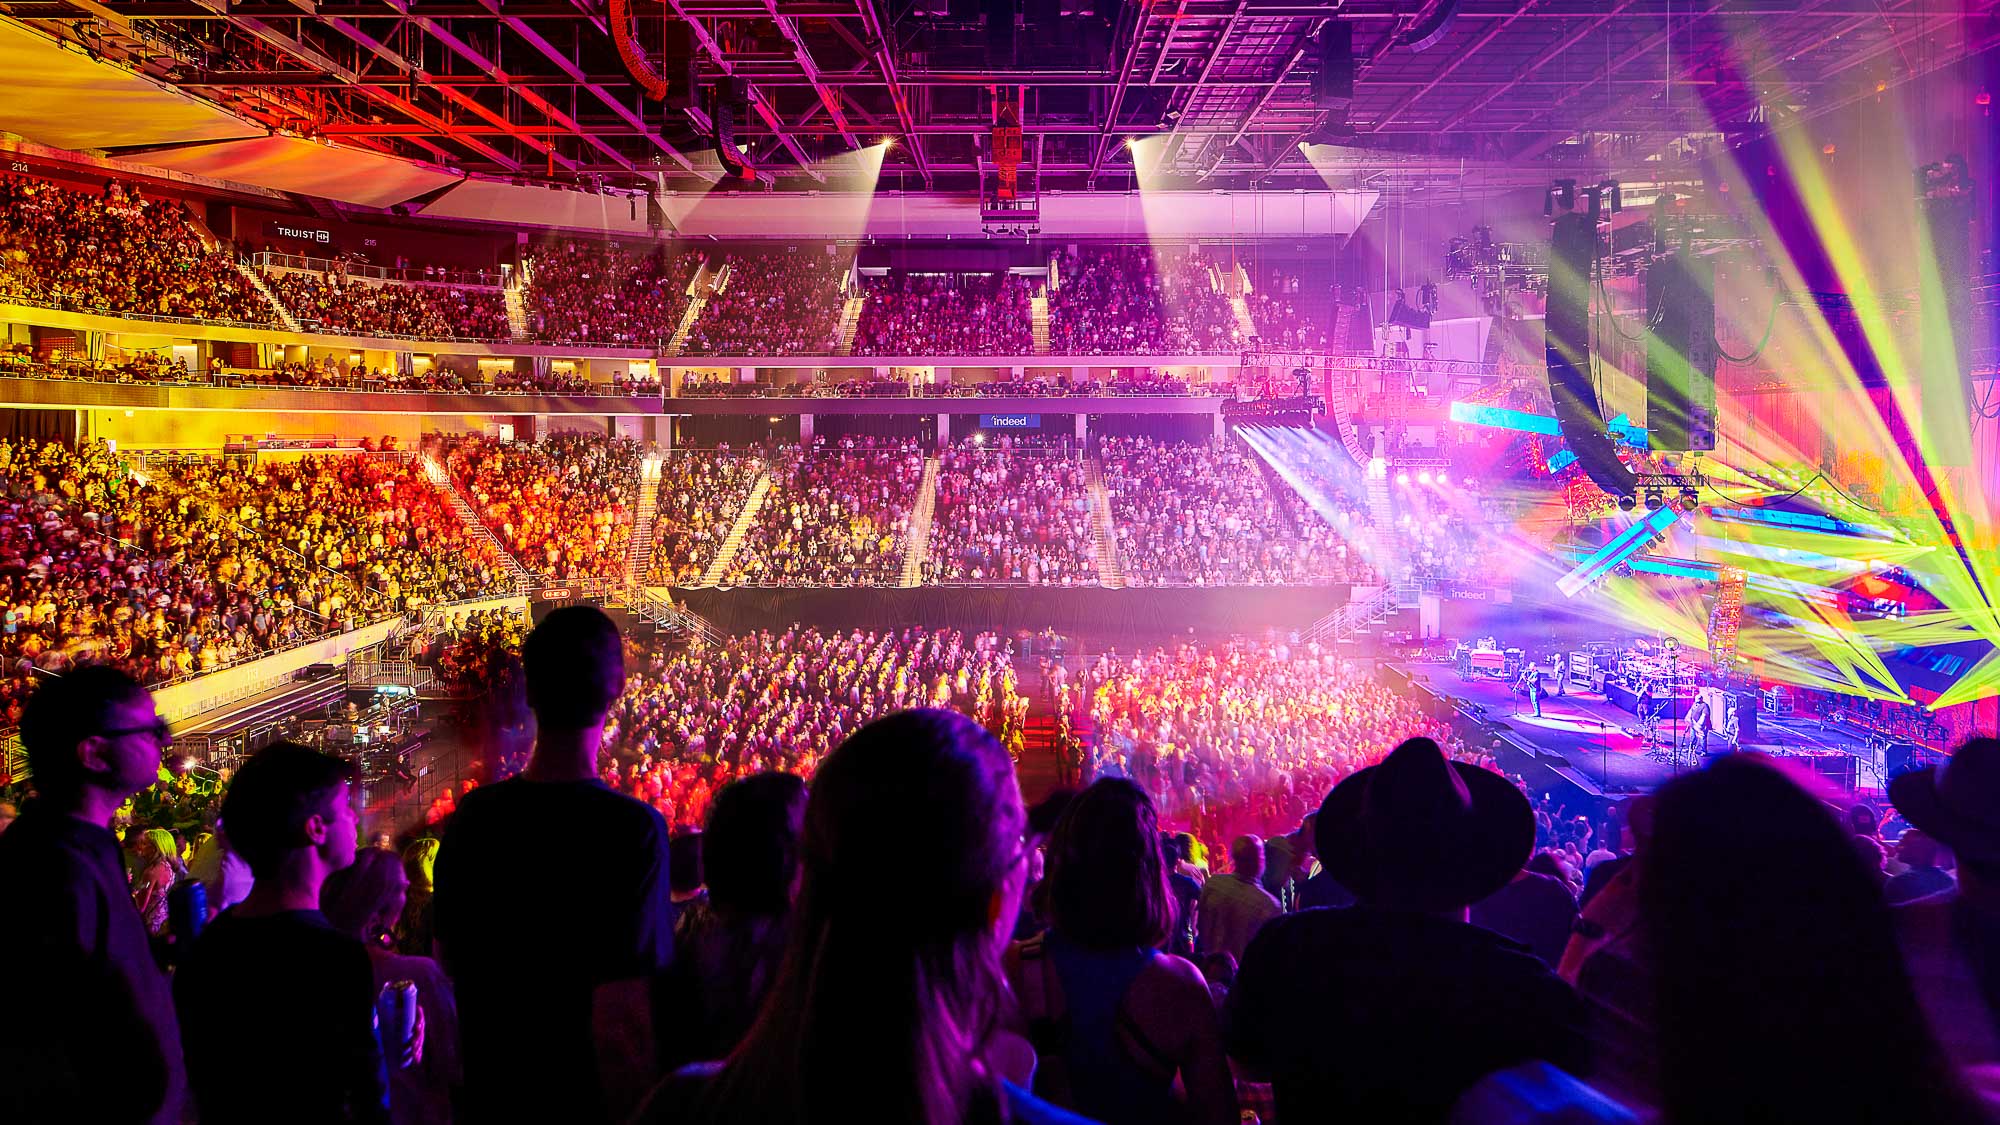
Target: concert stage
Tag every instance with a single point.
(1596, 745)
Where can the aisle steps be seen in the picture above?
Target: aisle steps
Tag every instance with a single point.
(515, 298)
(285, 316)
(730, 545)
(850, 323)
(441, 480)
(688, 317)
(1110, 573)
(639, 553)
(917, 547)
(1038, 312)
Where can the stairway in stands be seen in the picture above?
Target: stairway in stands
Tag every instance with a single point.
(917, 548)
(688, 317)
(639, 554)
(1382, 524)
(285, 316)
(514, 298)
(726, 554)
(441, 480)
(1038, 314)
(850, 322)
(1104, 540)
(1245, 326)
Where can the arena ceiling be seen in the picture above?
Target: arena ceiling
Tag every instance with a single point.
(537, 90)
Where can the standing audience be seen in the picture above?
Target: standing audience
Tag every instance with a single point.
(566, 972)
(90, 1033)
(277, 1006)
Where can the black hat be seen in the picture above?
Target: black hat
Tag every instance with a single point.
(1421, 831)
(1958, 801)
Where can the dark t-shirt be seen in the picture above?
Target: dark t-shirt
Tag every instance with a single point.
(278, 1021)
(1373, 1015)
(1535, 910)
(1187, 894)
(546, 890)
(1322, 890)
(92, 1032)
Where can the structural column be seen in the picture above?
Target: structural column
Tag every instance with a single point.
(805, 429)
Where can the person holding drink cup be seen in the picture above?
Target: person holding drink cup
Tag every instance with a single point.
(277, 1007)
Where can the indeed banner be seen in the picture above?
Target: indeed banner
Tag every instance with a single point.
(1010, 421)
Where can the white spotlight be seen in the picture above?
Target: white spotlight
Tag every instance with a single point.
(1423, 478)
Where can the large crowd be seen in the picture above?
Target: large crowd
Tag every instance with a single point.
(836, 515)
(193, 563)
(792, 877)
(563, 506)
(1012, 512)
(775, 303)
(1201, 515)
(699, 717)
(337, 303)
(914, 314)
(701, 494)
(1244, 736)
(1136, 300)
(116, 250)
(607, 293)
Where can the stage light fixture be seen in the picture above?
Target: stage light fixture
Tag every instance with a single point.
(1626, 504)
(1654, 499)
(1402, 478)
(1691, 497)
(1423, 478)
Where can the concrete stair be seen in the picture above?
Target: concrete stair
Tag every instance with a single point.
(1386, 556)
(515, 298)
(1104, 540)
(850, 323)
(679, 338)
(285, 316)
(639, 554)
(1038, 313)
(734, 541)
(917, 547)
(434, 471)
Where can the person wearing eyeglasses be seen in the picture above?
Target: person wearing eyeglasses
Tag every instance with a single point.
(94, 1036)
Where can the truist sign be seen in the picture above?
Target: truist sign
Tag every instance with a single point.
(305, 234)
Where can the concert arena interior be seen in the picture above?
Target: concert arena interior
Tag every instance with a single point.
(1127, 561)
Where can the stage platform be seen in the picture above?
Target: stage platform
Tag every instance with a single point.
(1597, 745)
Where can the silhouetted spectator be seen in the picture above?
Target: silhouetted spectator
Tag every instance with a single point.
(1116, 1022)
(1387, 1011)
(727, 952)
(278, 1007)
(555, 945)
(91, 1032)
(1754, 1010)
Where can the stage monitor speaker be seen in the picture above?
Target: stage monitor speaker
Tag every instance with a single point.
(1572, 250)
(1680, 353)
(1333, 82)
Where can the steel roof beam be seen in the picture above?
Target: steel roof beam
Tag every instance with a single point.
(563, 63)
(758, 101)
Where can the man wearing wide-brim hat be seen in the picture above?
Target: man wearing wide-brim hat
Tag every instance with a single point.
(1951, 940)
(1390, 1009)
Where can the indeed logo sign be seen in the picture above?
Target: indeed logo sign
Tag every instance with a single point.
(1010, 421)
